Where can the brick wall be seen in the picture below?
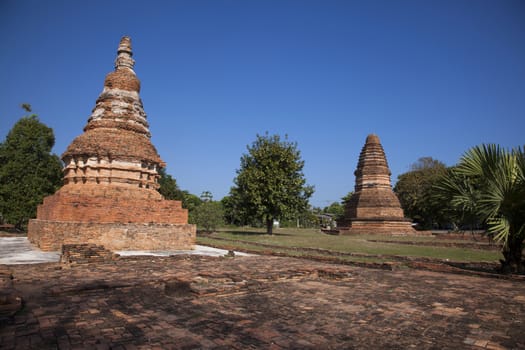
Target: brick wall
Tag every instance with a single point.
(63, 206)
(51, 235)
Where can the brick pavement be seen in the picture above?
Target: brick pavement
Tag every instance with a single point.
(185, 302)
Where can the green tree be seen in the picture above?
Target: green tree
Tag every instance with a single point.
(28, 170)
(208, 216)
(270, 183)
(234, 211)
(168, 186)
(336, 210)
(417, 195)
(346, 198)
(465, 211)
(170, 190)
(230, 211)
(190, 201)
(498, 177)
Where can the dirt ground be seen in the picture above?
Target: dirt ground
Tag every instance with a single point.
(258, 302)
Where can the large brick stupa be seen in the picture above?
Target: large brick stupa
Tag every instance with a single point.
(374, 208)
(109, 194)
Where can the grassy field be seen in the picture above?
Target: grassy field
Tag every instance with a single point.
(284, 239)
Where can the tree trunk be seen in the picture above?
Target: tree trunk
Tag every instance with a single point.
(512, 253)
(269, 226)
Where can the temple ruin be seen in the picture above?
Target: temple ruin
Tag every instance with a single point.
(109, 195)
(374, 207)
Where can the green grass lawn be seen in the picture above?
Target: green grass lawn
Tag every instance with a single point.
(310, 238)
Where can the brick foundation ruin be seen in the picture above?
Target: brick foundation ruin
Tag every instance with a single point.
(109, 196)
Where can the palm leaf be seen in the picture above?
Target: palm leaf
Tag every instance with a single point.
(500, 229)
(501, 176)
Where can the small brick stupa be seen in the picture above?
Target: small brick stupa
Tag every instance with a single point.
(109, 195)
(374, 208)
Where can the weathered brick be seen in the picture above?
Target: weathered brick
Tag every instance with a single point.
(51, 235)
(110, 196)
(374, 207)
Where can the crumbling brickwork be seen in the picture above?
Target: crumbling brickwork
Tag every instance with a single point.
(113, 236)
(85, 253)
(109, 196)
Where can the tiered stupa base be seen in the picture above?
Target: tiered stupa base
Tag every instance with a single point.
(117, 217)
(379, 226)
(51, 235)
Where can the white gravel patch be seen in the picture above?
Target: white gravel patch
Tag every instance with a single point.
(18, 250)
(199, 250)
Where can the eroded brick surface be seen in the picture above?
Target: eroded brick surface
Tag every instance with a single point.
(259, 302)
(374, 207)
(115, 236)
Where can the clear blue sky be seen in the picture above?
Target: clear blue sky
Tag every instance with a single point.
(431, 78)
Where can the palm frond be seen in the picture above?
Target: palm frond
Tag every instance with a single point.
(519, 153)
(499, 228)
(479, 160)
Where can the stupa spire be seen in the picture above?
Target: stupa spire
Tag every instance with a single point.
(116, 129)
(372, 168)
(124, 54)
